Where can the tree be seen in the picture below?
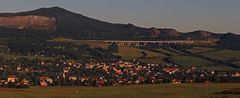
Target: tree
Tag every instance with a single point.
(113, 48)
(144, 54)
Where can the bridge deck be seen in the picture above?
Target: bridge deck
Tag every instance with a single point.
(139, 43)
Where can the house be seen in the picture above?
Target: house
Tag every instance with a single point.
(43, 83)
(45, 80)
(175, 81)
(206, 82)
(95, 78)
(12, 78)
(74, 78)
(3, 81)
(100, 82)
(26, 70)
(24, 83)
(237, 74)
(188, 81)
(171, 70)
(66, 70)
(18, 68)
(137, 82)
(84, 78)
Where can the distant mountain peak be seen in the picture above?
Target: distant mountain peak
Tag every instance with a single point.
(55, 8)
(50, 10)
(70, 24)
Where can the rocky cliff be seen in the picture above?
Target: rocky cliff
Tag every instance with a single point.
(28, 22)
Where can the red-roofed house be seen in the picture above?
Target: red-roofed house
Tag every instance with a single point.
(45, 80)
(12, 78)
(171, 70)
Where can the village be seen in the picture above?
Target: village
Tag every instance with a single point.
(15, 74)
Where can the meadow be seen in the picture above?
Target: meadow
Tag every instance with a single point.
(197, 56)
(12, 56)
(133, 53)
(224, 55)
(136, 91)
(191, 61)
(200, 49)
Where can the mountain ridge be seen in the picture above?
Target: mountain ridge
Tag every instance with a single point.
(57, 11)
(46, 11)
(78, 26)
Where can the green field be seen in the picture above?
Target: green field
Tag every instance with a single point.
(191, 61)
(158, 60)
(176, 50)
(134, 53)
(137, 91)
(224, 54)
(11, 56)
(219, 68)
(166, 51)
(91, 43)
(193, 57)
(200, 49)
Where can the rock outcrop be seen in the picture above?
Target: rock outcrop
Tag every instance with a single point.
(28, 22)
(154, 32)
(170, 32)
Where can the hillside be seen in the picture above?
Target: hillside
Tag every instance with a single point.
(60, 22)
(79, 26)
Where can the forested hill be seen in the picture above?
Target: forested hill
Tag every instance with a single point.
(59, 22)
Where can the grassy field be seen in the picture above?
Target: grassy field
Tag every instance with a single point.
(137, 91)
(176, 56)
(11, 56)
(166, 51)
(224, 54)
(191, 61)
(158, 60)
(91, 43)
(134, 53)
(61, 39)
(176, 51)
(200, 49)
(219, 68)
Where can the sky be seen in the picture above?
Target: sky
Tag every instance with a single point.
(219, 16)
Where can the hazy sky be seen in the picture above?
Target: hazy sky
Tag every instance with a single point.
(183, 15)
